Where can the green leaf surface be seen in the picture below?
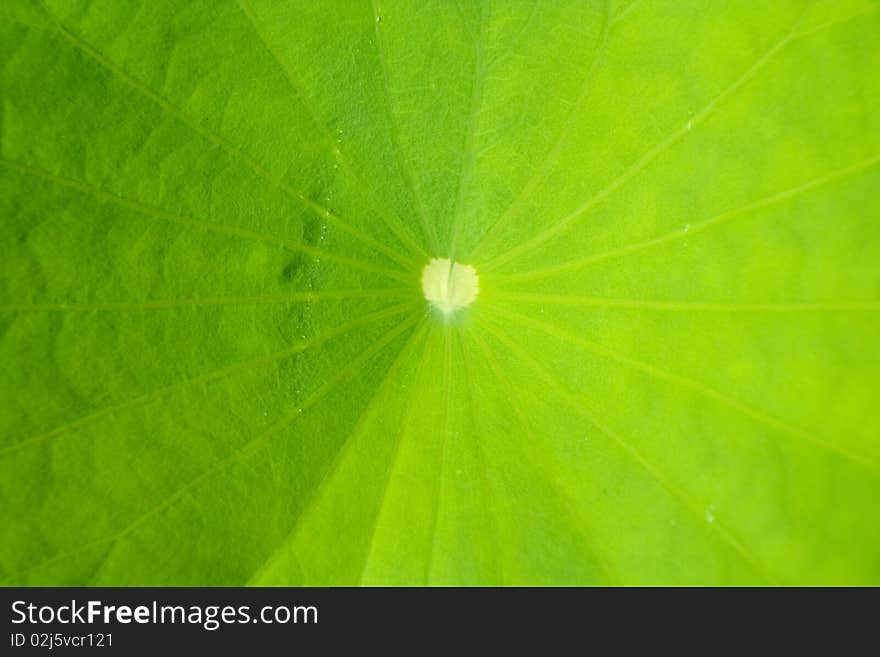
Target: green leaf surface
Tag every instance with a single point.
(218, 367)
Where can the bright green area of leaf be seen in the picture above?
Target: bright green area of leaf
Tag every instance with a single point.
(217, 365)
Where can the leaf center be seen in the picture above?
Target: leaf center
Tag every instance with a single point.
(449, 286)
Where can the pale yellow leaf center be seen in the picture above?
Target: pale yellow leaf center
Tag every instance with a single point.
(448, 285)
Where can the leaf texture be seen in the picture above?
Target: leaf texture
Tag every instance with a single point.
(218, 365)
